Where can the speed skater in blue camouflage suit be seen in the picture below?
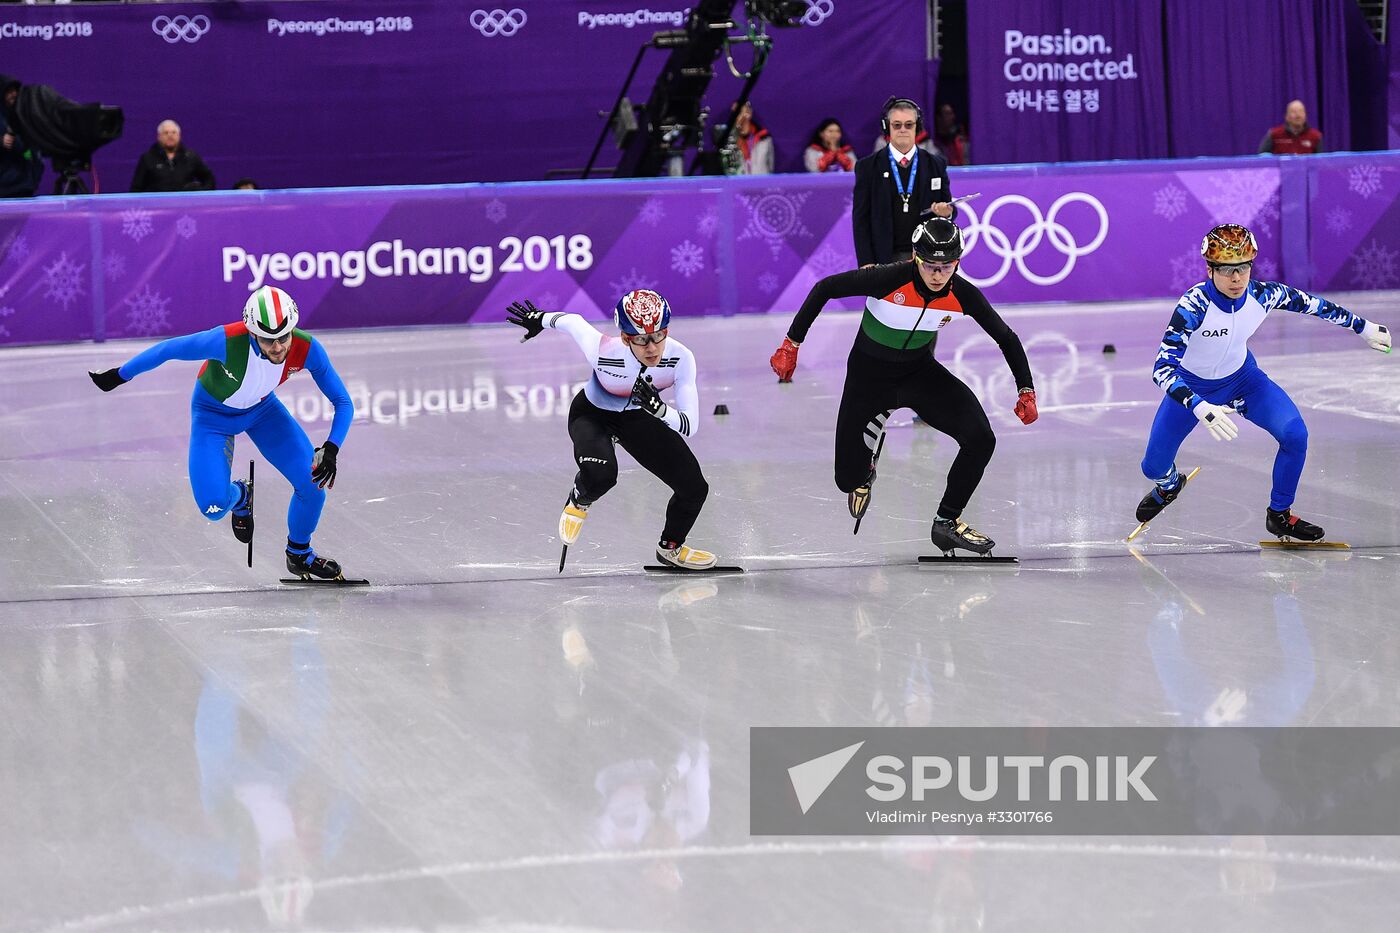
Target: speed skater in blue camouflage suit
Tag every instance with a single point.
(1207, 371)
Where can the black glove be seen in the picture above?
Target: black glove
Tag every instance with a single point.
(108, 380)
(645, 397)
(323, 465)
(528, 317)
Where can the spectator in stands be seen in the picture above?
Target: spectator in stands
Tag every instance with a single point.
(170, 166)
(20, 167)
(246, 184)
(950, 137)
(1293, 136)
(755, 145)
(827, 150)
(895, 188)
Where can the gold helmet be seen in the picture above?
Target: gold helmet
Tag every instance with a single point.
(1229, 243)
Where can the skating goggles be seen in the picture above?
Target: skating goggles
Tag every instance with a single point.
(1239, 268)
(277, 341)
(938, 268)
(645, 340)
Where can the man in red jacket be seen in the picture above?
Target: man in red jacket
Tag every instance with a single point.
(1293, 136)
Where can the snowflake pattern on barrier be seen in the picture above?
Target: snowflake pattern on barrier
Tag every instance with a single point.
(1373, 266)
(768, 283)
(4, 313)
(687, 259)
(495, 210)
(113, 267)
(148, 313)
(17, 249)
(1338, 221)
(652, 212)
(774, 217)
(1267, 220)
(1240, 196)
(186, 226)
(63, 281)
(827, 261)
(1188, 269)
(708, 222)
(1169, 202)
(1364, 180)
(136, 224)
(630, 281)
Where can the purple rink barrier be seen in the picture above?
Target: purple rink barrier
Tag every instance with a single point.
(155, 265)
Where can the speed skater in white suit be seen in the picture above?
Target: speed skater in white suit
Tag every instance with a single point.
(621, 403)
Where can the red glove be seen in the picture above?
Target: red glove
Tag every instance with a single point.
(1025, 406)
(784, 360)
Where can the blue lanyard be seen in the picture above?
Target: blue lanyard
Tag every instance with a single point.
(913, 173)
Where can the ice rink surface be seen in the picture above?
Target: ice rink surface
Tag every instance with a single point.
(479, 742)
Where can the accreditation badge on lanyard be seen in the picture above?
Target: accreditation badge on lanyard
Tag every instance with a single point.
(913, 174)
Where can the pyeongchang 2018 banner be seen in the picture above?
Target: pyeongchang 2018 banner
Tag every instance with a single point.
(1066, 80)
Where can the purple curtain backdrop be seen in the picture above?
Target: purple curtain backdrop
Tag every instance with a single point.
(1011, 105)
(1234, 69)
(1392, 44)
(437, 92)
(155, 265)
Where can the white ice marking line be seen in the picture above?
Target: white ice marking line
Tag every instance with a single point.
(454, 869)
(276, 630)
(1087, 405)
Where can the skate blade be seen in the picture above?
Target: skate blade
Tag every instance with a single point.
(251, 464)
(1288, 544)
(563, 556)
(318, 581)
(979, 560)
(668, 568)
(1144, 525)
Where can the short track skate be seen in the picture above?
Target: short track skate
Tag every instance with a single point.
(959, 535)
(1294, 534)
(1143, 523)
(860, 501)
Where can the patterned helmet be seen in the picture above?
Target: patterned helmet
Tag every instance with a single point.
(270, 313)
(1229, 243)
(642, 312)
(938, 239)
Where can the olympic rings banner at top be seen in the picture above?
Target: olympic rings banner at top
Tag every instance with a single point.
(379, 92)
(156, 265)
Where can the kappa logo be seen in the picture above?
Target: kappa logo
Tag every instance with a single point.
(1222, 332)
(176, 29)
(503, 23)
(811, 778)
(213, 510)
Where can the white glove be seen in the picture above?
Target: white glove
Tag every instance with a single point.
(1377, 335)
(1216, 418)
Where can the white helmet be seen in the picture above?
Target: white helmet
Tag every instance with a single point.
(270, 312)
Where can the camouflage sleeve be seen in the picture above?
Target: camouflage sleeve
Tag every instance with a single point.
(1185, 319)
(1277, 295)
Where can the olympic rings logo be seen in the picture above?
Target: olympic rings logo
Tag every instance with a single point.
(180, 28)
(1045, 226)
(492, 23)
(818, 11)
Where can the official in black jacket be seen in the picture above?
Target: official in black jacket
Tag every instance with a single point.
(170, 166)
(894, 186)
